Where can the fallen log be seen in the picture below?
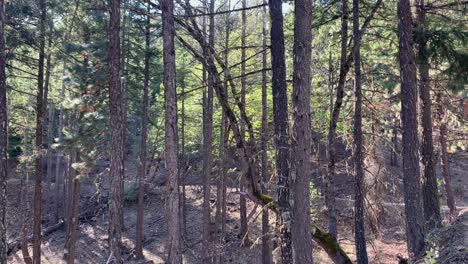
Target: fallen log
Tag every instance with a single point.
(83, 217)
(324, 239)
(16, 245)
(330, 245)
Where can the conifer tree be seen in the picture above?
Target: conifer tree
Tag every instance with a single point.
(3, 138)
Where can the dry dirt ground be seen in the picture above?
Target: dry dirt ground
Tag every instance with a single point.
(92, 237)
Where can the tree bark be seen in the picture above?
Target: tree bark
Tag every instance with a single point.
(123, 87)
(117, 141)
(431, 204)
(243, 202)
(3, 138)
(221, 212)
(25, 210)
(224, 136)
(302, 134)
(442, 115)
(143, 148)
(73, 224)
(173, 243)
(394, 156)
(280, 119)
(48, 124)
(57, 199)
(266, 250)
(39, 138)
(331, 139)
(50, 138)
(409, 122)
(73, 157)
(207, 256)
(359, 231)
(183, 166)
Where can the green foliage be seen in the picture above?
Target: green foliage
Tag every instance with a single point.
(447, 48)
(386, 77)
(79, 31)
(14, 146)
(432, 252)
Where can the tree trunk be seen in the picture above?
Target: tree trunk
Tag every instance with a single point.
(123, 87)
(431, 204)
(245, 242)
(394, 155)
(280, 118)
(50, 138)
(143, 148)
(183, 166)
(3, 138)
(302, 134)
(409, 121)
(26, 209)
(39, 138)
(224, 135)
(359, 232)
(173, 241)
(442, 115)
(66, 173)
(345, 62)
(207, 257)
(331, 139)
(324, 239)
(73, 224)
(117, 141)
(183, 162)
(57, 199)
(266, 250)
(48, 124)
(223, 143)
(69, 194)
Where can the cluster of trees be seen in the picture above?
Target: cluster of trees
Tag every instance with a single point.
(93, 71)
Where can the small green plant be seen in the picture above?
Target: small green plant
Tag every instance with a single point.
(432, 252)
(431, 256)
(440, 185)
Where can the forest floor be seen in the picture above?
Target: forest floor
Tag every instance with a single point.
(92, 236)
